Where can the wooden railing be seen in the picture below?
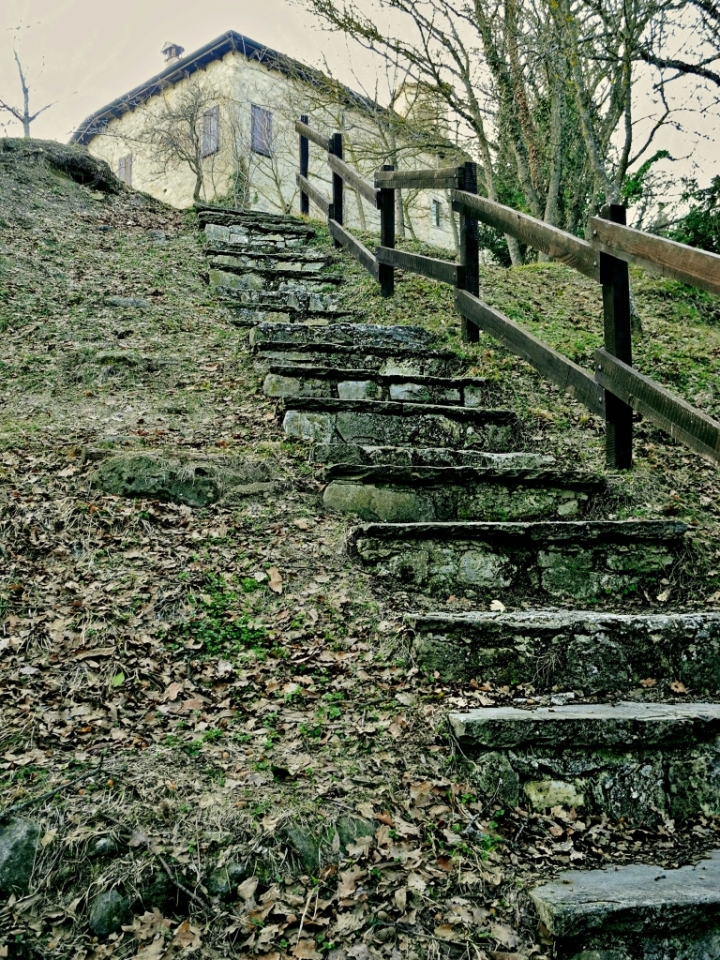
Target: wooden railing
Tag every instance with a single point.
(615, 389)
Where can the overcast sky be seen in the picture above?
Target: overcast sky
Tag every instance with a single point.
(85, 53)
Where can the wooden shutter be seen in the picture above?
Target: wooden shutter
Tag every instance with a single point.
(261, 131)
(211, 131)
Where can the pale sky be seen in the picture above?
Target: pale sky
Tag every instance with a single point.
(85, 53)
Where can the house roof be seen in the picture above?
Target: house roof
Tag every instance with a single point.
(186, 66)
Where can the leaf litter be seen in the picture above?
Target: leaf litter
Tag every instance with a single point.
(225, 673)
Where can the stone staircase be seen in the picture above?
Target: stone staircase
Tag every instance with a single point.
(447, 497)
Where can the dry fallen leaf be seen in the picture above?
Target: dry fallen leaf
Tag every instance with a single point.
(648, 683)
(497, 606)
(275, 583)
(247, 888)
(677, 687)
(349, 881)
(306, 950)
(186, 937)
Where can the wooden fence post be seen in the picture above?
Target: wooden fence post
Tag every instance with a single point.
(304, 168)
(386, 203)
(469, 255)
(336, 143)
(615, 281)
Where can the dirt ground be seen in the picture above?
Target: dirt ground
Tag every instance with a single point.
(223, 686)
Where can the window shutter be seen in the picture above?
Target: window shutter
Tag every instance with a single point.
(211, 131)
(261, 131)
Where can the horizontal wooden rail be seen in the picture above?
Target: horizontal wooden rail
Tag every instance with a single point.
(666, 257)
(453, 273)
(305, 131)
(558, 244)
(354, 248)
(673, 415)
(551, 364)
(447, 178)
(353, 179)
(317, 198)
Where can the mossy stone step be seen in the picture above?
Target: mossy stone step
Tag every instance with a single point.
(296, 380)
(396, 494)
(357, 336)
(250, 259)
(212, 213)
(641, 761)
(290, 305)
(353, 454)
(549, 561)
(234, 281)
(579, 650)
(634, 911)
(400, 424)
(387, 361)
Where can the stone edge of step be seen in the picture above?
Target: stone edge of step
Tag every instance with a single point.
(621, 898)
(534, 531)
(335, 373)
(396, 408)
(552, 619)
(392, 475)
(625, 724)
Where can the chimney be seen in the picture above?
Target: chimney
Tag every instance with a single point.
(172, 52)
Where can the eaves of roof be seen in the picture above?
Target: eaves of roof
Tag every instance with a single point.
(186, 66)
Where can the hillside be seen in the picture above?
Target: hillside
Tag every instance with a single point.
(196, 699)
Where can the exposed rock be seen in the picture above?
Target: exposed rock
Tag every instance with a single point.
(105, 847)
(351, 829)
(19, 842)
(223, 881)
(196, 482)
(70, 160)
(305, 845)
(109, 911)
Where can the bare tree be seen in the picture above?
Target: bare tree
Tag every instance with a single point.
(683, 38)
(24, 114)
(176, 133)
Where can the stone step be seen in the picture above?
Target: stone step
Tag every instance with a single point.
(271, 280)
(211, 212)
(258, 236)
(355, 335)
(405, 494)
(634, 912)
(405, 361)
(297, 380)
(352, 454)
(289, 305)
(646, 762)
(549, 561)
(579, 650)
(400, 424)
(305, 260)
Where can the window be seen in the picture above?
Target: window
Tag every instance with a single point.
(211, 132)
(125, 169)
(261, 131)
(436, 205)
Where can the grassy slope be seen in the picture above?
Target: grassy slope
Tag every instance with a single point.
(140, 633)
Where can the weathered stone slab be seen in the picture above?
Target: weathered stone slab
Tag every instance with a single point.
(550, 561)
(634, 912)
(352, 454)
(395, 494)
(388, 361)
(288, 298)
(355, 335)
(641, 761)
(195, 481)
(571, 649)
(295, 380)
(19, 845)
(397, 424)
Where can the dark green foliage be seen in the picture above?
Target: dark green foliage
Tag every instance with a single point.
(700, 227)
